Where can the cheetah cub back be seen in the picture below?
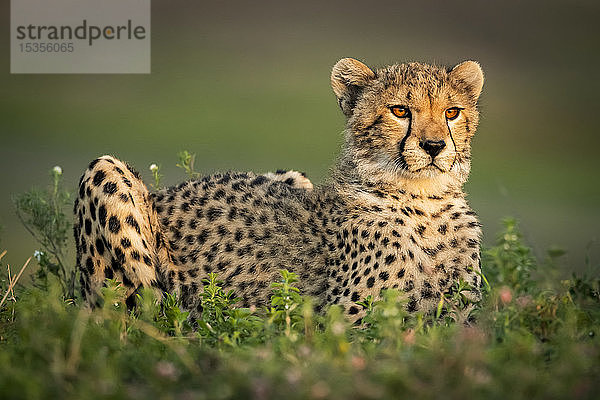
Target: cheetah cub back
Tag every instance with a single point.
(392, 215)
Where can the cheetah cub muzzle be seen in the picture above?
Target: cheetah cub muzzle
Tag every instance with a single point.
(392, 215)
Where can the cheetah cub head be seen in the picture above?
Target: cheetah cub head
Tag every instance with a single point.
(408, 124)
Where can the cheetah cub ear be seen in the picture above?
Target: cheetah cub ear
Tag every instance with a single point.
(470, 76)
(348, 78)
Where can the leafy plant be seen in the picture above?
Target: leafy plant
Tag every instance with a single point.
(221, 322)
(285, 311)
(186, 162)
(43, 215)
(156, 175)
(510, 262)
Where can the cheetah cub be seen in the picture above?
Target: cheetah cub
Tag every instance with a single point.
(392, 215)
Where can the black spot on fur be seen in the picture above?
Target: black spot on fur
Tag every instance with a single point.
(213, 213)
(102, 215)
(120, 255)
(130, 220)
(472, 243)
(93, 210)
(99, 246)
(219, 194)
(110, 188)
(202, 236)
(98, 178)
(370, 282)
(427, 291)
(259, 180)
(239, 235)
(89, 265)
(114, 225)
(93, 163)
(133, 171)
(412, 305)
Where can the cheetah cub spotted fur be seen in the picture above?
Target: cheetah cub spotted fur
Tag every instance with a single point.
(392, 215)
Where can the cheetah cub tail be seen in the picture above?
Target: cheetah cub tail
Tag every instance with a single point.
(117, 234)
(295, 179)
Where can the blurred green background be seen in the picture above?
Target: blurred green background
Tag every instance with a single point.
(245, 85)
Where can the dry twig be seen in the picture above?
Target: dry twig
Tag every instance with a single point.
(13, 282)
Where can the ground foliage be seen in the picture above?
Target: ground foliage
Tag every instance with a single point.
(534, 334)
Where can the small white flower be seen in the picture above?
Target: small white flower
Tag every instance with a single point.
(38, 255)
(166, 370)
(338, 328)
(153, 167)
(287, 306)
(57, 170)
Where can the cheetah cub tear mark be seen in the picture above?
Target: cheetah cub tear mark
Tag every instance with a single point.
(392, 215)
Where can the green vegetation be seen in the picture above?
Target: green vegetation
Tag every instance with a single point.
(43, 215)
(534, 335)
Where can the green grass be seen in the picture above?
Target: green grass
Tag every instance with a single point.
(534, 334)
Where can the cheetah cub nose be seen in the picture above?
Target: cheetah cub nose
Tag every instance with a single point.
(433, 147)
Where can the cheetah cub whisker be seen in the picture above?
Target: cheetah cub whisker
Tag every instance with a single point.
(392, 215)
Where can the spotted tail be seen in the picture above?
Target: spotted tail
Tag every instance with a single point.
(117, 234)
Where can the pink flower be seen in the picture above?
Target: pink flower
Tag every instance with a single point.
(409, 337)
(505, 294)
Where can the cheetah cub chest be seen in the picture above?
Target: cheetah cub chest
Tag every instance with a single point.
(421, 246)
(405, 159)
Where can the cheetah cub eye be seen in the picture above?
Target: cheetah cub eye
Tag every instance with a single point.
(452, 113)
(400, 111)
